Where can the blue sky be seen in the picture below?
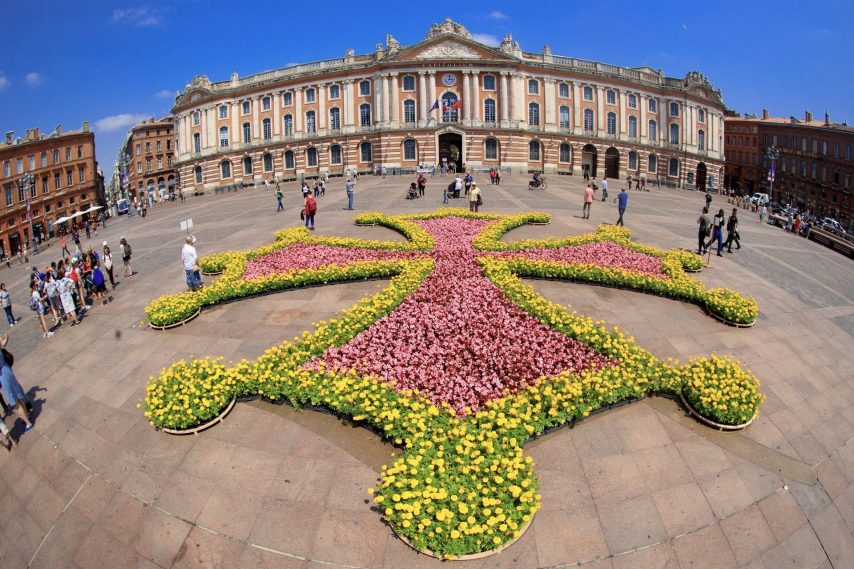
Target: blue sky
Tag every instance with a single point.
(113, 63)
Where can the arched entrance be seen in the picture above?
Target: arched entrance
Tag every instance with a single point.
(701, 176)
(589, 159)
(451, 150)
(612, 163)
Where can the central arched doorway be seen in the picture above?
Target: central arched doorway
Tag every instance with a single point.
(451, 150)
(612, 163)
(589, 159)
(701, 176)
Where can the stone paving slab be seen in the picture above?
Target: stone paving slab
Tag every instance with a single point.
(94, 485)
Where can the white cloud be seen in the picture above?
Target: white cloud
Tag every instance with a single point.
(140, 17)
(4, 82)
(118, 122)
(487, 39)
(497, 15)
(34, 79)
(164, 94)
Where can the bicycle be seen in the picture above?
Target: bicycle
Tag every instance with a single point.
(543, 184)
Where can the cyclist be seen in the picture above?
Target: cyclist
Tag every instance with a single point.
(535, 183)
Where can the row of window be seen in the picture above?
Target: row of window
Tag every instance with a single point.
(807, 145)
(790, 164)
(149, 164)
(31, 161)
(158, 147)
(45, 184)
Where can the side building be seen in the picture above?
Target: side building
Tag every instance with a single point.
(148, 159)
(45, 178)
(450, 99)
(811, 162)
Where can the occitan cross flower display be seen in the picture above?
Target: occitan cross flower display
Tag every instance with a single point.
(457, 361)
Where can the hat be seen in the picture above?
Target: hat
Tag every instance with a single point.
(105, 244)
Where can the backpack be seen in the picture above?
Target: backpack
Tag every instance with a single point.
(310, 204)
(34, 304)
(127, 250)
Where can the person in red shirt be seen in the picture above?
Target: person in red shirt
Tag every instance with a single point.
(588, 200)
(310, 210)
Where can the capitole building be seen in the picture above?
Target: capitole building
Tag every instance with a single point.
(449, 98)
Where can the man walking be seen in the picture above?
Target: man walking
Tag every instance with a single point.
(588, 201)
(732, 231)
(279, 199)
(623, 199)
(604, 189)
(350, 186)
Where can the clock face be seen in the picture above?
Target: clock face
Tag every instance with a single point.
(449, 79)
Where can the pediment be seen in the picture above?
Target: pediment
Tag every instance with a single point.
(449, 47)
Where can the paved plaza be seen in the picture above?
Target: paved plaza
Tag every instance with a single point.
(639, 486)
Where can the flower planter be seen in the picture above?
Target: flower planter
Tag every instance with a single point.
(470, 556)
(720, 318)
(196, 430)
(176, 324)
(709, 422)
(211, 274)
(539, 223)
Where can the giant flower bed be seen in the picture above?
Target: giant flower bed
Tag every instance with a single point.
(457, 360)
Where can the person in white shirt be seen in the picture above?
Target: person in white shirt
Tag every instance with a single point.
(191, 264)
(458, 186)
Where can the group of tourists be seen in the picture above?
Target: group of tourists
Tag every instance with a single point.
(712, 229)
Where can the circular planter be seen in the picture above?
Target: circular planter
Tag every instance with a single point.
(176, 324)
(693, 270)
(470, 556)
(211, 274)
(196, 430)
(709, 422)
(539, 223)
(720, 318)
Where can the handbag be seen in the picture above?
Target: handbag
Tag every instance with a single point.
(302, 215)
(479, 200)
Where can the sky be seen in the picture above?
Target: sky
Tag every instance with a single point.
(116, 63)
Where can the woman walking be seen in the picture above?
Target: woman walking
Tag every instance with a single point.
(732, 231)
(38, 303)
(310, 211)
(12, 389)
(66, 295)
(107, 257)
(6, 301)
(717, 232)
(126, 253)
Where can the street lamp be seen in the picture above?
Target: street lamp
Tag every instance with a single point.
(25, 184)
(772, 152)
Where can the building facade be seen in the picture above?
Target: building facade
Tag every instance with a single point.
(449, 99)
(65, 181)
(813, 165)
(149, 156)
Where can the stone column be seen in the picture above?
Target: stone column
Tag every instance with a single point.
(577, 125)
(505, 99)
(321, 108)
(234, 137)
(423, 104)
(643, 129)
(663, 126)
(203, 121)
(466, 98)
(256, 118)
(378, 100)
(395, 99)
(517, 98)
(431, 87)
(298, 118)
(600, 110)
(277, 114)
(348, 103)
(475, 103)
(623, 120)
(386, 100)
(550, 111)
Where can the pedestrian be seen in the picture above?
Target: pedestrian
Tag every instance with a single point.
(26, 254)
(588, 201)
(310, 206)
(497, 177)
(6, 301)
(51, 288)
(6, 259)
(66, 295)
(421, 181)
(762, 212)
(107, 257)
(796, 226)
(279, 194)
(604, 188)
(586, 175)
(350, 186)
(86, 227)
(384, 171)
(468, 180)
(708, 199)
(191, 264)
(623, 201)
(38, 303)
(12, 390)
(75, 235)
(717, 232)
(458, 186)
(475, 199)
(704, 223)
(99, 287)
(446, 193)
(732, 231)
(492, 176)
(126, 253)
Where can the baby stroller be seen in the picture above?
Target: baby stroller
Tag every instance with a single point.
(412, 192)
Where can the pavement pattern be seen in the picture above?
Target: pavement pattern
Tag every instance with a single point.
(93, 485)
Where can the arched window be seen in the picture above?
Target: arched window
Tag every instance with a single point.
(588, 119)
(633, 101)
(534, 151)
(197, 142)
(223, 136)
(335, 118)
(489, 110)
(310, 122)
(652, 131)
(701, 140)
(533, 87)
(588, 93)
(364, 115)
(652, 164)
(247, 164)
(449, 113)
(409, 111)
(267, 129)
(334, 91)
(673, 167)
(288, 121)
(289, 159)
(409, 149)
(674, 109)
(674, 133)
(633, 160)
(490, 149)
(225, 169)
(267, 160)
(564, 116)
(311, 156)
(565, 152)
(365, 152)
(247, 133)
(533, 114)
(197, 172)
(633, 127)
(364, 88)
(612, 123)
(563, 90)
(335, 154)
(611, 97)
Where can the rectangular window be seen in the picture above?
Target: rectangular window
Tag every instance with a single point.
(7, 169)
(611, 97)
(148, 164)
(8, 195)
(82, 173)
(335, 154)
(836, 150)
(159, 162)
(57, 181)
(268, 131)
(197, 143)
(701, 115)
(79, 152)
(196, 118)
(489, 82)
(409, 112)
(334, 91)
(223, 137)
(32, 162)
(491, 149)
(69, 177)
(45, 188)
(19, 165)
(56, 156)
(674, 109)
(287, 99)
(309, 95)
(21, 195)
(139, 167)
(588, 93)
(168, 144)
(148, 148)
(814, 146)
(632, 101)
(533, 87)
(68, 154)
(169, 160)
(247, 107)
(563, 90)
(223, 112)
(44, 159)
(409, 83)
(265, 104)
(158, 146)
(652, 106)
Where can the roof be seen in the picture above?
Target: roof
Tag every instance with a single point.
(792, 121)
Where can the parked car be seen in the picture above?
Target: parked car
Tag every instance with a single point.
(830, 223)
(759, 199)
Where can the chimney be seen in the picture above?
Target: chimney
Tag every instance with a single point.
(35, 134)
(58, 129)
(764, 114)
(808, 117)
(85, 126)
(826, 118)
(10, 136)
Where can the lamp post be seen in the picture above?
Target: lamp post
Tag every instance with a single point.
(772, 152)
(25, 184)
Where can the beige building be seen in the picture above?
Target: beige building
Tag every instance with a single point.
(497, 107)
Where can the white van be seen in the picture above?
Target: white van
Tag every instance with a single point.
(759, 199)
